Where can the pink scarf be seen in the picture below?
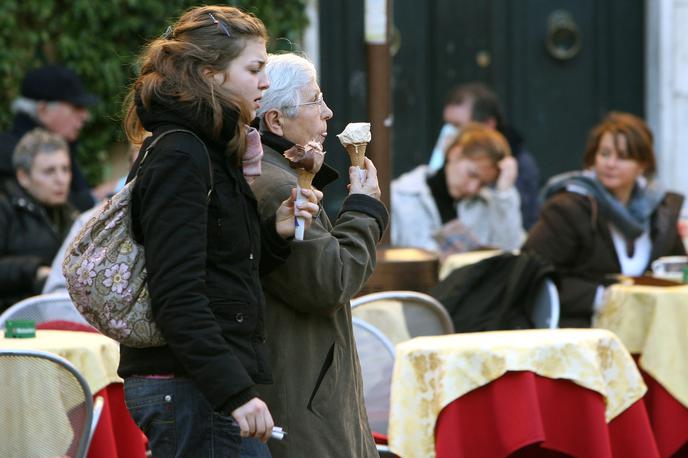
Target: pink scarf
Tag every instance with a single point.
(253, 154)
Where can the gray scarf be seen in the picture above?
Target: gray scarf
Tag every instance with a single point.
(631, 219)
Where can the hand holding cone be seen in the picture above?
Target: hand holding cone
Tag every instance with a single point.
(307, 161)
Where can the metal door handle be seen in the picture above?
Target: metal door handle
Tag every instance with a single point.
(563, 36)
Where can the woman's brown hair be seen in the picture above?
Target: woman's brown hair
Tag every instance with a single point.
(479, 140)
(638, 139)
(175, 66)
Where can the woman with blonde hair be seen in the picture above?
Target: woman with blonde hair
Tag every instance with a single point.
(199, 87)
(470, 202)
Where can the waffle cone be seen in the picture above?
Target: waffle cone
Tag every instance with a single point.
(305, 178)
(357, 153)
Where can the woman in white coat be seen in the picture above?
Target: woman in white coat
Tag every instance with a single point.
(469, 203)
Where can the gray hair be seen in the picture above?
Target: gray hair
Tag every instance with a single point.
(27, 106)
(288, 74)
(35, 142)
(30, 106)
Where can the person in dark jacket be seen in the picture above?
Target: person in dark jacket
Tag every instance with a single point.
(196, 396)
(609, 219)
(54, 98)
(475, 102)
(34, 215)
(308, 315)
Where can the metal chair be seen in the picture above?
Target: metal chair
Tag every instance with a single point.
(402, 315)
(42, 308)
(46, 408)
(546, 308)
(376, 355)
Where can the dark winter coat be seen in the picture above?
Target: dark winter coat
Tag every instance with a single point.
(575, 238)
(496, 293)
(203, 260)
(30, 235)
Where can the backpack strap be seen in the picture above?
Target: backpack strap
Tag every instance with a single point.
(155, 141)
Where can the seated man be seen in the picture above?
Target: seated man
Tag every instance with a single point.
(317, 394)
(53, 98)
(471, 202)
(34, 215)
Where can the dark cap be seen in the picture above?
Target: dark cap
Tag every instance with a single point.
(54, 83)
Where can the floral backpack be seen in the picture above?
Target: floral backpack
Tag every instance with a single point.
(106, 272)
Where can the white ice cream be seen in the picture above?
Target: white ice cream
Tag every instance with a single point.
(355, 132)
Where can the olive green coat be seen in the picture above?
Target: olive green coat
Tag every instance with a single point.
(317, 394)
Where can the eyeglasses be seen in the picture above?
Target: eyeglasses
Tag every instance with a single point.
(320, 101)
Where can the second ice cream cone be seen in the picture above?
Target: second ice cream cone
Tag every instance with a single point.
(357, 153)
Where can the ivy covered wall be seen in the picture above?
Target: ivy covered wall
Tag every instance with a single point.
(100, 40)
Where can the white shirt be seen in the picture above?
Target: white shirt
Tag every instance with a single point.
(635, 265)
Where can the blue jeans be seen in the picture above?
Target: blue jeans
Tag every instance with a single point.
(180, 422)
(254, 448)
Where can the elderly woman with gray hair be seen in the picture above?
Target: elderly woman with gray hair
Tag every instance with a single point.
(34, 214)
(317, 394)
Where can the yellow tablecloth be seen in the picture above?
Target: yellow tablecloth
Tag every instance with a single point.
(652, 321)
(431, 372)
(94, 355)
(458, 260)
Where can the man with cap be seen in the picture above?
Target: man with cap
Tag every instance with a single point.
(52, 97)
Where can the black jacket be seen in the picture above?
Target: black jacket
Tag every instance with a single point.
(574, 236)
(494, 294)
(79, 193)
(30, 235)
(203, 260)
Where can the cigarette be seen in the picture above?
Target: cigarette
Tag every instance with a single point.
(278, 433)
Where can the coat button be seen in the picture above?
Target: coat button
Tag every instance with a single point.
(168, 398)
(239, 317)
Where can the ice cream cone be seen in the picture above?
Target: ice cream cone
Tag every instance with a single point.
(357, 153)
(304, 179)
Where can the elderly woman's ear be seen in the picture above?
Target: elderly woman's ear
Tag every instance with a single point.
(272, 122)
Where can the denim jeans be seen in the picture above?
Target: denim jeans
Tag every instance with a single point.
(254, 448)
(179, 421)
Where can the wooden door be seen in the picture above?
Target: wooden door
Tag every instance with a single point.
(551, 97)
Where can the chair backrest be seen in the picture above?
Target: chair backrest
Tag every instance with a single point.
(546, 308)
(46, 407)
(42, 308)
(376, 354)
(403, 315)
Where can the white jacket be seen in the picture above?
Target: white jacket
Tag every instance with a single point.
(494, 217)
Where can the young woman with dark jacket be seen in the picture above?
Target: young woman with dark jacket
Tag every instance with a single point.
(609, 219)
(195, 396)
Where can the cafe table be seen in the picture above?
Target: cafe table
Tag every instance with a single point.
(96, 357)
(652, 323)
(518, 393)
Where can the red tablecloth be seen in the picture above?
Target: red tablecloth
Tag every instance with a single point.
(668, 417)
(522, 414)
(116, 436)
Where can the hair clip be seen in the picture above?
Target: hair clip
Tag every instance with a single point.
(221, 25)
(167, 34)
